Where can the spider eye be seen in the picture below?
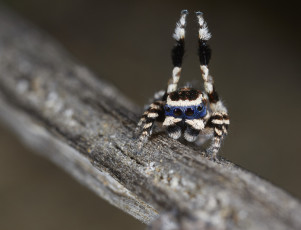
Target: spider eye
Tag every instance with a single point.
(167, 109)
(177, 112)
(189, 112)
(199, 108)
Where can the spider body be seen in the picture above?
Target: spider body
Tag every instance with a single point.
(191, 113)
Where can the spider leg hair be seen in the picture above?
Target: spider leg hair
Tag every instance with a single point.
(205, 135)
(219, 119)
(204, 35)
(152, 114)
(219, 123)
(204, 56)
(159, 95)
(177, 52)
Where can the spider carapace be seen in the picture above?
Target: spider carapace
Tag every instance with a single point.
(197, 116)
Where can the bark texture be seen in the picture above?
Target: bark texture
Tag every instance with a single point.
(86, 126)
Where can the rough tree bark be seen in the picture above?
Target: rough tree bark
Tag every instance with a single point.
(87, 127)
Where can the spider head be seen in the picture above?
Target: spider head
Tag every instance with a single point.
(185, 110)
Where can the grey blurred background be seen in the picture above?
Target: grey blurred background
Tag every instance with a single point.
(256, 55)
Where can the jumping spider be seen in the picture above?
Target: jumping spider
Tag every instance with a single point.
(198, 115)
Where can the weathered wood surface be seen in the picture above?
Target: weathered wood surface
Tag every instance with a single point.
(86, 126)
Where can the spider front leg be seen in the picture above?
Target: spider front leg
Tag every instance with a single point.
(154, 113)
(177, 52)
(219, 123)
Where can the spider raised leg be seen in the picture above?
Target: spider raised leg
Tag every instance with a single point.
(219, 119)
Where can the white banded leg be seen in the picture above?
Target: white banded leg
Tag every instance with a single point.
(148, 119)
(219, 122)
(178, 52)
(204, 35)
(214, 147)
(204, 56)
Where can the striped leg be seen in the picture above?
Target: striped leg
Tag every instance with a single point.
(204, 55)
(177, 52)
(153, 113)
(219, 120)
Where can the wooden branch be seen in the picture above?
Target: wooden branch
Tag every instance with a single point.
(86, 126)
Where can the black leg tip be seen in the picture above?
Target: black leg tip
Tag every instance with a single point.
(184, 12)
(199, 13)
